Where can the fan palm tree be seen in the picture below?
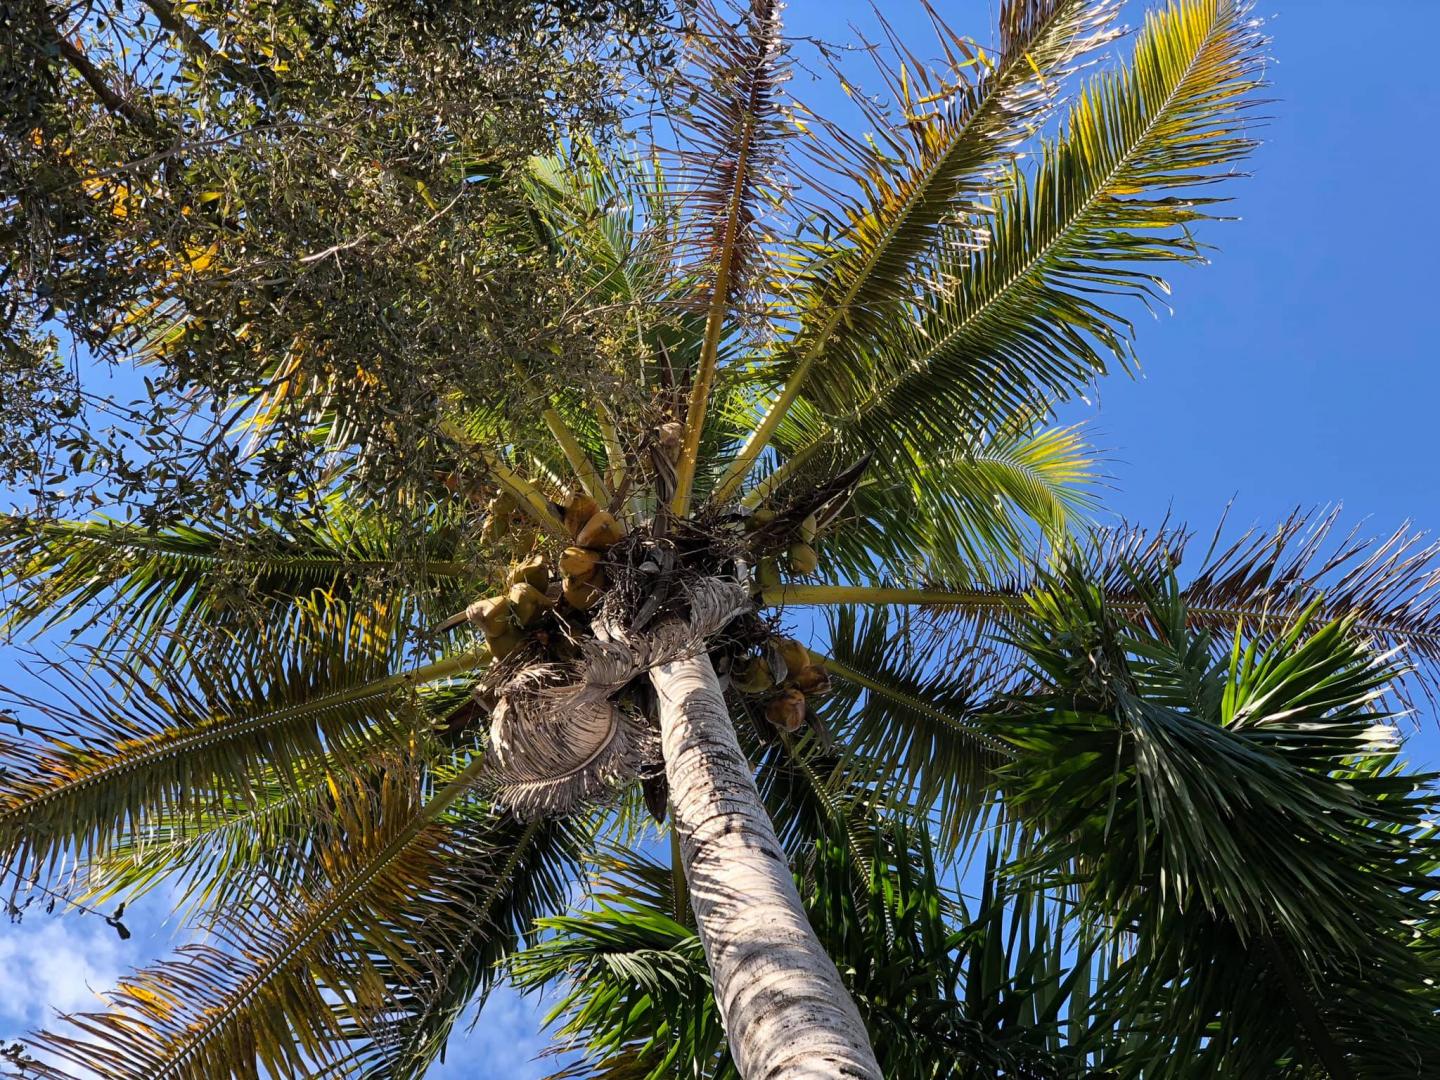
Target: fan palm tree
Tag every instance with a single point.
(369, 818)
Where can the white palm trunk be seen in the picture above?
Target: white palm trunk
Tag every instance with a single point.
(787, 1014)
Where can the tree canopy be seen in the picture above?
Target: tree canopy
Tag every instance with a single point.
(482, 399)
(273, 204)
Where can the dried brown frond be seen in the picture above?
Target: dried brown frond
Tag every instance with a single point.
(731, 132)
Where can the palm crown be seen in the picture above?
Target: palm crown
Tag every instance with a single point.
(1186, 792)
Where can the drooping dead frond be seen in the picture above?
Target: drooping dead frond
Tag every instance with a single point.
(559, 738)
(550, 757)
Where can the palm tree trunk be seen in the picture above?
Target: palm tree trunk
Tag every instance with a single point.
(787, 1015)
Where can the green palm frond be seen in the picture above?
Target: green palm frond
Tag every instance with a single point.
(813, 794)
(1237, 817)
(639, 993)
(935, 164)
(976, 511)
(606, 219)
(106, 762)
(1024, 318)
(273, 830)
(531, 874)
(207, 857)
(1263, 580)
(944, 993)
(293, 983)
(165, 592)
(947, 992)
(912, 712)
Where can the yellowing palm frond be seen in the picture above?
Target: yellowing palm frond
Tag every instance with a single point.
(166, 591)
(970, 514)
(296, 982)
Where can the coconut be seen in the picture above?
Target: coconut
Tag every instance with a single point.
(601, 531)
(501, 510)
(812, 681)
(502, 645)
(578, 511)
(759, 518)
(767, 574)
(808, 529)
(802, 559)
(753, 676)
(578, 562)
(795, 655)
(786, 710)
(583, 593)
(491, 615)
(522, 540)
(495, 527)
(527, 603)
(531, 571)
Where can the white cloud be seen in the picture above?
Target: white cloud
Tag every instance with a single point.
(50, 962)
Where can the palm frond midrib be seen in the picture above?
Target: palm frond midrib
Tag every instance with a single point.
(165, 746)
(318, 921)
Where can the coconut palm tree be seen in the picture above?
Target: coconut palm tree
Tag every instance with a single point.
(848, 417)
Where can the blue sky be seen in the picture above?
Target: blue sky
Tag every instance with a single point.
(1298, 370)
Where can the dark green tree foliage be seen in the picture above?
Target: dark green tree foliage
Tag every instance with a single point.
(294, 209)
(1159, 770)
